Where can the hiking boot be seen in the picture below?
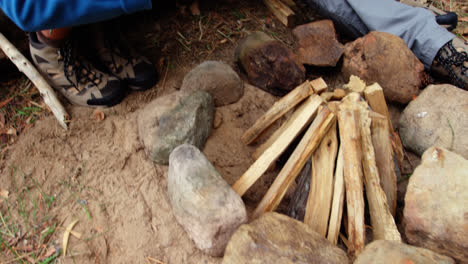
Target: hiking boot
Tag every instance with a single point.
(452, 61)
(73, 76)
(117, 58)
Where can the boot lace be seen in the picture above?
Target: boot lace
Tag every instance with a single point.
(74, 65)
(451, 59)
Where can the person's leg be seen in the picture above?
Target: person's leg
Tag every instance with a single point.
(343, 15)
(56, 56)
(416, 26)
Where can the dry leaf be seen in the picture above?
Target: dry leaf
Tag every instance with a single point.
(66, 235)
(98, 115)
(463, 19)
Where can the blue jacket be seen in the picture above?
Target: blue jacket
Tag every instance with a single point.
(35, 15)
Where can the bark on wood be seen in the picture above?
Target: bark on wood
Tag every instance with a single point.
(274, 151)
(311, 140)
(36, 78)
(384, 159)
(297, 205)
(281, 107)
(291, 121)
(281, 11)
(350, 138)
(375, 98)
(321, 185)
(383, 224)
(336, 212)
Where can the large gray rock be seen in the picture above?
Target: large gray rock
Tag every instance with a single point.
(276, 238)
(175, 119)
(202, 202)
(216, 78)
(438, 117)
(386, 59)
(436, 204)
(391, 252)
(318, 45)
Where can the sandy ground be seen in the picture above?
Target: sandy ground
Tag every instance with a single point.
(98, 173)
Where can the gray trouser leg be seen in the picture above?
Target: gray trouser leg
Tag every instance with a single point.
(416, 26)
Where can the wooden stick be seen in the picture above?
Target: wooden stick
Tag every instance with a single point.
(281, 11)
(375, 98)
(291, 121)
(296, 162)
(319, 85)
(355, 85)
(383, 224)
(36, 78)
(289, 3)
(350, 138)
(279, 146)
(321, 184)
(384, 159)
(278, 110)
(337, 201)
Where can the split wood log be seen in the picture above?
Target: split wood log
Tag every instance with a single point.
(355, 84)
(350, 138)
(383, 224)
(338, 94)
(336, 212)
(281, 11)
(375, 98)
(289, 3)
(326, 96)
(36, 78)
(278, 147)
(384, 159)
(319, 85)
(278, 109)
(321, 184)
(311, 140)
(291, 121)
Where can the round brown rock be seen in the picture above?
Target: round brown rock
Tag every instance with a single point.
(385, 58)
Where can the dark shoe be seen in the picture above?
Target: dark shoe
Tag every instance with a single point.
(123, 62)
(73, 76)
(452, 60)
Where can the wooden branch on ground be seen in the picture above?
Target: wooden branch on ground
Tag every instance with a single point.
(383, 224)
(278, 109)
(281, 11)
(348, 120)
(336, 211)
(375, 98)
(36, 78)
(384, 159)
(322, 123)
(278, 147)
(321, 184)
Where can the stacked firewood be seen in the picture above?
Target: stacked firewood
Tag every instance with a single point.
(348, 140)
